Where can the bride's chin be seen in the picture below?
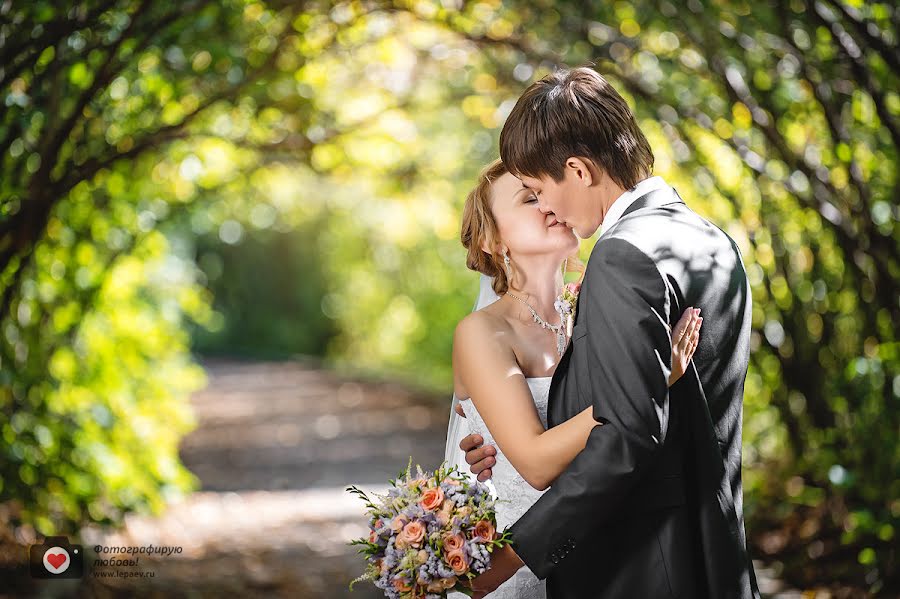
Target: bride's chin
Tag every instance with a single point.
(572, 240)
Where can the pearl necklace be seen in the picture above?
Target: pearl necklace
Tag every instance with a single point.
(557, 329)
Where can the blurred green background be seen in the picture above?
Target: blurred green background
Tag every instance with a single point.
(273, 179)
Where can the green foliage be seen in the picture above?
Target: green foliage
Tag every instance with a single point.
(96, 384)
(268, 291)
(94, 362)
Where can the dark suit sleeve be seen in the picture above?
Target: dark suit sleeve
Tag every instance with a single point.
(625, 370)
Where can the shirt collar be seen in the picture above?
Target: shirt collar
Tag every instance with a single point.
(621, 204)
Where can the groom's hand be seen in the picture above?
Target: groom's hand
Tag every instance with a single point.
(480, 458)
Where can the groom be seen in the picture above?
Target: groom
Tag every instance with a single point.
(652, 507)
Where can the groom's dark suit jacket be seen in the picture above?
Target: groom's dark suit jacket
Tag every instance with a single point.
(652, 507)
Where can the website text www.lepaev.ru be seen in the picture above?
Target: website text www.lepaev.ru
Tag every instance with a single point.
(108, 567)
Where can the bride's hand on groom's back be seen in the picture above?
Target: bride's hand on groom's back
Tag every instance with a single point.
(480, 457)
(685, 337)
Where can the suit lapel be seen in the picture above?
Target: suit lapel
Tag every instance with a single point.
(558, 374)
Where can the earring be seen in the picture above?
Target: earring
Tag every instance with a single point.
(506, 266)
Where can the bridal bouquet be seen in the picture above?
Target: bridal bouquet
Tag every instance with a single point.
(429, 535)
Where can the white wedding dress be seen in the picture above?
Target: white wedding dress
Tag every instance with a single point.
(514, 495)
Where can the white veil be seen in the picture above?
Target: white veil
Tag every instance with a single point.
(456, 430)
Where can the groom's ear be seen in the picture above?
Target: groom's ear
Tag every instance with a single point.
(580, 169)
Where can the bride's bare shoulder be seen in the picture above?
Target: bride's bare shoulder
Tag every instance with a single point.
(480, 325)
(480, 338)
(483, 340)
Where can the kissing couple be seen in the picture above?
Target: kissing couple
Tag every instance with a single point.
(613, 440)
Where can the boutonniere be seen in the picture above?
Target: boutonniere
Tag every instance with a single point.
(565, 305)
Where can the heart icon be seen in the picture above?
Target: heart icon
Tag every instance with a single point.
(57, 559)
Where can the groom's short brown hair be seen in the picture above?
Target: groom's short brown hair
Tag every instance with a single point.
(574, 112)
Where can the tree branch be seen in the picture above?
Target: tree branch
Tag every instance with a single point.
(852, 54)
(49, 149)
(30, 223)
(836, 127)
(862, 27)
(53, 32)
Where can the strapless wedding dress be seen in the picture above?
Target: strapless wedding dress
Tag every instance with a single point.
(514, 495)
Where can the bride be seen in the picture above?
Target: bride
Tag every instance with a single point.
(505, 352)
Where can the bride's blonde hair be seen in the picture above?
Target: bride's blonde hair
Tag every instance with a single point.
(480, 226)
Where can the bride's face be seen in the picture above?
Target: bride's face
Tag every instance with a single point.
(524, 229)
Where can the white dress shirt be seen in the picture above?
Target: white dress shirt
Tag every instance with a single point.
(621, 204)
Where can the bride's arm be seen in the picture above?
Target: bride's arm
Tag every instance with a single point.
(488, 370)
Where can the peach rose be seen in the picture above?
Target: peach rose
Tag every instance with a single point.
(484, 530)
(432, 498)
(401, 586)
(422, 556)
(398, 523)
(412, 534)
(457, 562)
(443, 515)
(453, 542)
(373, 536)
